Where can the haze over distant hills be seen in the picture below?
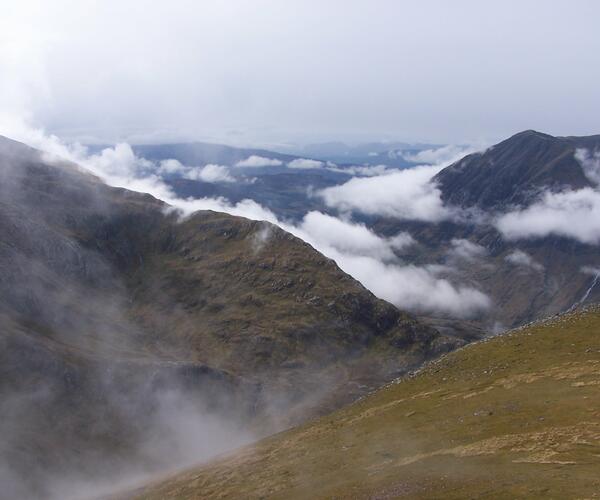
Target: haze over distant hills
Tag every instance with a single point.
(392, 153)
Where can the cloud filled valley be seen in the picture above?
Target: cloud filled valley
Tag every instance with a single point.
(379, 262)
(373, 260)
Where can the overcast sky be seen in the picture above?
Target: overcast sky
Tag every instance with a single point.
(261, 71)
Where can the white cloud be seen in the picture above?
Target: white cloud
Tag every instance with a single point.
(351, 238)
(438, 156)
(305, 163)
(370, 259)
(259, 161)
(401, 241)
(404, 194)
(466, 250)
(572, 214)
(520, 258)
(364, 171)
(590, 163)
(209, 173)
(245, 208)
(171, 166)
(117, 161)
(591, 270)
(414, 288)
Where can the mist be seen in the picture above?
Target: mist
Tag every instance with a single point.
(85, 408)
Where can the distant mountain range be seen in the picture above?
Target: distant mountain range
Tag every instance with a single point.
(202, 153)
(393, 153)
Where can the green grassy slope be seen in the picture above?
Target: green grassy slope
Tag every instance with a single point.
(516, 416)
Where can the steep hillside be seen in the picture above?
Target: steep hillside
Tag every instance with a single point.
(120, 321)
(242, 295)
(515, 170)
(527, 278)
(515, 416)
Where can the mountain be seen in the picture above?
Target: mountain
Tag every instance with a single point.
(131, 335)
(512, 417)
(525, 278)
(515, 170)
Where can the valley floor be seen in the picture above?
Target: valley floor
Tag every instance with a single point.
(514, 416)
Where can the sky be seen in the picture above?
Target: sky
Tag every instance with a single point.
(268, 72)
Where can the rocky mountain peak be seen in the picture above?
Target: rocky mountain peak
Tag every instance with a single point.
(514, 171)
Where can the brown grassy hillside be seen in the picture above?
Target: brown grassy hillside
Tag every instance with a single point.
(516, 416)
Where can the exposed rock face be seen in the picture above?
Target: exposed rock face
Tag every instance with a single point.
(110, 305)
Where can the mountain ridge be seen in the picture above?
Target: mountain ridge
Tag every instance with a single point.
(513, 171)
(124, 314)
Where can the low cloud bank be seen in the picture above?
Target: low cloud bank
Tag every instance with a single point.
(404, 194)
(571, 214)
(443, 155)
(407, 194)
(304, 163)
(347, 237)
(259, 161)
(372, 260)
(209, 173)
(363, 171)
